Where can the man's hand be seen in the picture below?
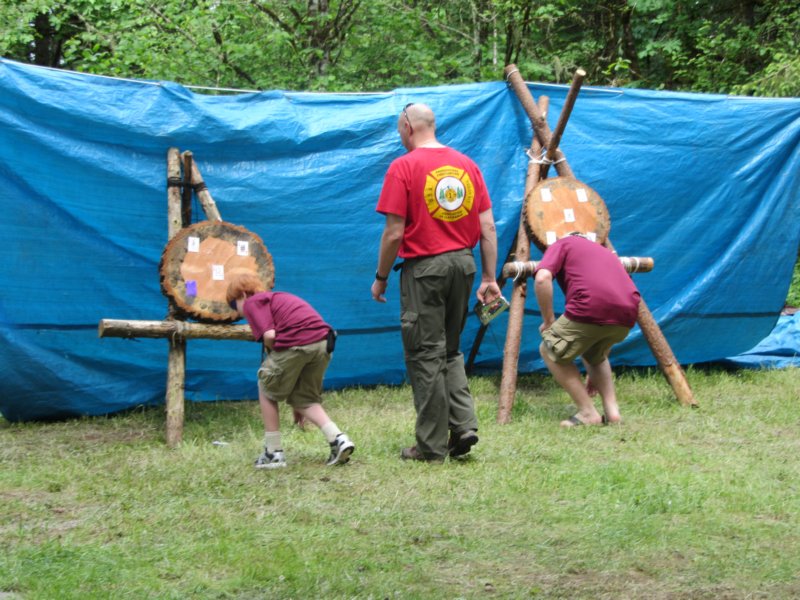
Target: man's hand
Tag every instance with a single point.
(379, 290)
(488, 291)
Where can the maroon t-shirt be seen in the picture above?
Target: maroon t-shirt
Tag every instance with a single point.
(597, 288)
(295, 322)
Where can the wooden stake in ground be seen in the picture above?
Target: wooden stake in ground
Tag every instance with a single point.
(519, 293)
(186, 195)
(176, 357)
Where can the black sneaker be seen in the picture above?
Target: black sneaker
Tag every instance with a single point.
(271, 460)
(459, 445)
(341, 449)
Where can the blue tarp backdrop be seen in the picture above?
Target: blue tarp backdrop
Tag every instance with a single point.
(705, 184)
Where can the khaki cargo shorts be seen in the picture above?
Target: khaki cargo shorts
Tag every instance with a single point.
(566, 340)
(295, 375)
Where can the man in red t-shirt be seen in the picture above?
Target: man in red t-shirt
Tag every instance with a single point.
(601, 307)
(437, 210)
(300, 344)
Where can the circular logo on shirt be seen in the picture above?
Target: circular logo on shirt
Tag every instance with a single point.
(449, 193)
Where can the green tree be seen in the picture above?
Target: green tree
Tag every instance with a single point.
(726, 46)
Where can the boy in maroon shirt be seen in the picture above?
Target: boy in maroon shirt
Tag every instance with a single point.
(300, 344)
(601, 307)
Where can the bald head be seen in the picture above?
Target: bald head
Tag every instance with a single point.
(417, 126)
(420, 115)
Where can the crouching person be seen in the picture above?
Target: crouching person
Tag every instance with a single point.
(601, 307)
(299, 345)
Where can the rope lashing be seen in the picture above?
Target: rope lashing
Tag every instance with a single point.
(543, 160)
(520, 268)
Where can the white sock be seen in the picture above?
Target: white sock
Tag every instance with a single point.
(330, 431)
(272, 441)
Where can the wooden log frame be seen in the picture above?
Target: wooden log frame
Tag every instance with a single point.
(535, 174)
(519, 293)
(663, 354)
(553, 152)
(173, 328)
(537, 171)
(186, 193)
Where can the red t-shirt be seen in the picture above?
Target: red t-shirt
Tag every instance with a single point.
(440, 193)
(295, 322)
(597, 288)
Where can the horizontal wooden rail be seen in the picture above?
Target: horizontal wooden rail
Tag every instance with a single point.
(632, 264)
(173, 329)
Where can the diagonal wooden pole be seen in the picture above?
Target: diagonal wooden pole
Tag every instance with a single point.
(663, 354)
(561, 125)
(202, 193)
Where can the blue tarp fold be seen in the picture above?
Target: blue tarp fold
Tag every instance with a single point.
(779, 350)
(705, 184)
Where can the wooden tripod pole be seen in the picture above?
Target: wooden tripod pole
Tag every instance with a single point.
(555, 139)
(538, 120)
(650, 330)
(516, 311)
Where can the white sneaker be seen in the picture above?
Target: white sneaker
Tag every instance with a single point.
(274, 460)
(341, 449)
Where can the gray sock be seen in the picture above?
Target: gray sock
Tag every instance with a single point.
(330, 431)
(272, 441)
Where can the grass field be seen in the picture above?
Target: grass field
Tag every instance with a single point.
(675, 503)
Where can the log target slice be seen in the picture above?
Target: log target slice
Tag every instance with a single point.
(199, 262)
(561, 205)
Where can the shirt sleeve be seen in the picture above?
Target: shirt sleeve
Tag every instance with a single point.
(259, 316)
(553, 259)
(484, 201)
(394, 194)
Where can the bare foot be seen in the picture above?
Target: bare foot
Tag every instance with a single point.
(578, 419)
(611, 411)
